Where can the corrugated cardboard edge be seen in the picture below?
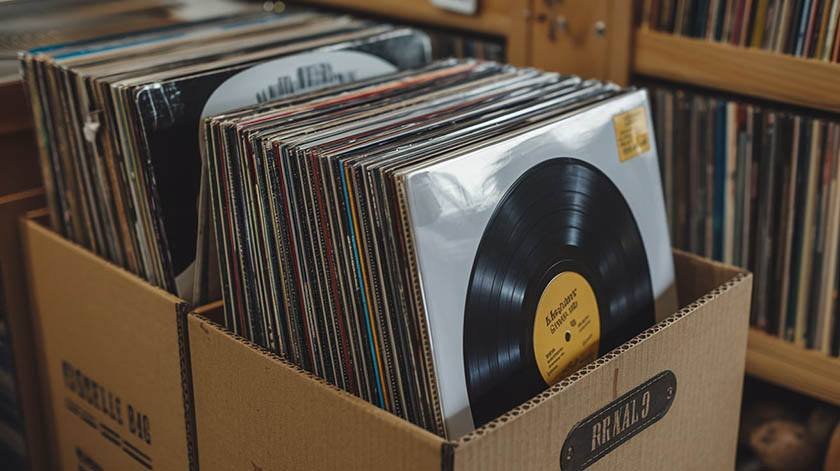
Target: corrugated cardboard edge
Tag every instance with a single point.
(605, 360)
(31, 223)
(182, 310)
(447, 456)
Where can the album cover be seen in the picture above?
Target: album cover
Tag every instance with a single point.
(485, 364)
(170, 113)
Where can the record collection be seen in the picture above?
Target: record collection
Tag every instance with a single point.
(803, 28)
(445, 242)
(117, 119)
(758, 188)
(444, 239)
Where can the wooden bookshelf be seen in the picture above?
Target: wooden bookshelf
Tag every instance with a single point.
(503, 18)
(777, 77)
(748, 71)
(783, 363)
(578, 47)
(493, 16)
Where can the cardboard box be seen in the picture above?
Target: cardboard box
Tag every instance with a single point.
(17, 320)
(117, 360)
(120, 391)
(668, 399)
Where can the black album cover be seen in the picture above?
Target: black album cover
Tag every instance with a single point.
(171, 112)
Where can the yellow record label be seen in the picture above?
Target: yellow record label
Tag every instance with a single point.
(567, 327)
(631, 133)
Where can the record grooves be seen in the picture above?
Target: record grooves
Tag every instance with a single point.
(561, 216)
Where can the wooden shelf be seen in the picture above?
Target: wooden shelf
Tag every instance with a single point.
(504, 18)
(783, 363)
(803, 82)
(493, 17)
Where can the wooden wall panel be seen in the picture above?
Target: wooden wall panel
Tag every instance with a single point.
(590, 38)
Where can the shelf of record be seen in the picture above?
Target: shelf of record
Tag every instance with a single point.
(806, 29)
(758, 187)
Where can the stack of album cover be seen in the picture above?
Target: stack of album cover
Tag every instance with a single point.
(447, 242)
(803, 28)
(117, 120)
(27, 24)
(756, 187)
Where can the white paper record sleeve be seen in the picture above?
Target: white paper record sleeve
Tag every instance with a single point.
(451, 202)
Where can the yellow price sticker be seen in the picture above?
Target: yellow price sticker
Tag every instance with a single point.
(631, 133)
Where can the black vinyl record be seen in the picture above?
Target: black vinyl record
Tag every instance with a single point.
(561, 216)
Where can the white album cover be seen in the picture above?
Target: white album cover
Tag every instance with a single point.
(451, 201)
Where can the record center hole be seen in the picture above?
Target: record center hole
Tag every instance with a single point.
(568, 336)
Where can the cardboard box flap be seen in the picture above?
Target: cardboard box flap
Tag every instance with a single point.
(697, 276)
(308, 418)
(116, 359)
(707, 333)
